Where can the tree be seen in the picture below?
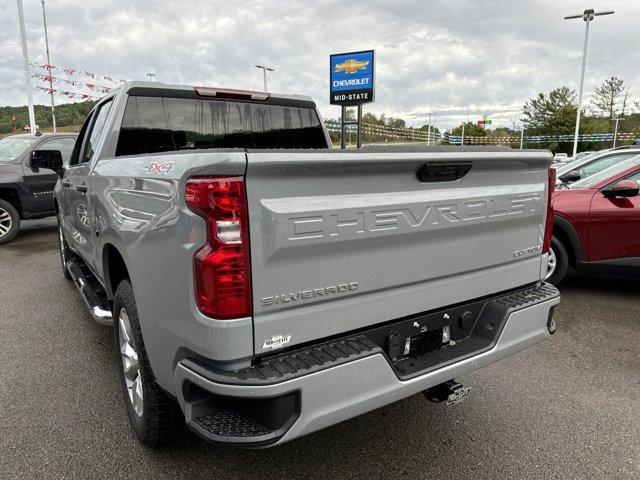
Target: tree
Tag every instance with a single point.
(605, 97)
(425, 128)
(551, 113)
(470, 130)
(625, 100)
(371, 118)
(395, 122)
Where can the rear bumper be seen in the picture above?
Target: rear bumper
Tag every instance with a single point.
(313, 398)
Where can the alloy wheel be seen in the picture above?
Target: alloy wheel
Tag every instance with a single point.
(552, 263)
(5, 222)
(130, 363)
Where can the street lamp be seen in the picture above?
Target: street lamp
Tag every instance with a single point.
(587, 16)
(265, 69)
(429, 128)
(615, 132)
(46, 42)
(27, 74)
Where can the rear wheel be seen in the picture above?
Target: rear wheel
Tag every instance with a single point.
(558, 262)
(150, 410)
(9, 222)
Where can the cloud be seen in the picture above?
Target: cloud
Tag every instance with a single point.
(447, 57)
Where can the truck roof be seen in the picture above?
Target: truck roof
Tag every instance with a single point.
(168, 88)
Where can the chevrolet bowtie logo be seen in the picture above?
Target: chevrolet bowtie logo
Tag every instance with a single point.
(351, 66)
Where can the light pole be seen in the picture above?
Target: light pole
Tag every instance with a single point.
(27, 75)
(521, 136)
(46, 42)
(463, 125)
(429, 129)
(587, 16)
(265, 69)
(615, 132)
(151, 76)
(434, 127)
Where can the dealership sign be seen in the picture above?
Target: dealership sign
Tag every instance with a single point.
(351, 78)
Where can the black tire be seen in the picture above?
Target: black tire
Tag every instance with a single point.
(154, 425)
(562, 262)
(9, 222)
(65, 252)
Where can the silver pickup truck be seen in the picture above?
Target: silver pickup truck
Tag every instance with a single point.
(272, 286)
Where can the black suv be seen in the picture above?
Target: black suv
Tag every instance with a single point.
(27, 192)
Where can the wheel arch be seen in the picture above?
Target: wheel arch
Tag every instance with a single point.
(114, 269)
(564, 231)
(11, 195)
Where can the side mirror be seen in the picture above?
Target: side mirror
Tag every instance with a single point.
(49, 159)
(624, 188)
(572, 176)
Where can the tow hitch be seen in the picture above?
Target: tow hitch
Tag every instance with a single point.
(450, 392)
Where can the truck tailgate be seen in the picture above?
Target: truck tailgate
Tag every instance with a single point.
(344, 240)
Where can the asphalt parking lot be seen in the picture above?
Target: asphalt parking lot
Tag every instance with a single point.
(567, 408)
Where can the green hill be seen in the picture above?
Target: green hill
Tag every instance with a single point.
(13, 119)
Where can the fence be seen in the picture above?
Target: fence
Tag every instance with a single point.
(410, 134)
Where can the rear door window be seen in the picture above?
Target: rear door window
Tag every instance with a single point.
(156, 124)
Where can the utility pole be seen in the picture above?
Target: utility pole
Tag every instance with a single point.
(27, 74)
(434, 126)
(265, 69)
(463, 125)
(521, 137)
(587, 16)
(429, 129)
(615, 132)
(46, 42)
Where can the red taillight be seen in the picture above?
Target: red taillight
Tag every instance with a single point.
(222, 267)
(548, 228)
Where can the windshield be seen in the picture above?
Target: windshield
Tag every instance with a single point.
(567, 167)
(606, 173)
(12, 147)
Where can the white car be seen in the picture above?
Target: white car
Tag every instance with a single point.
(584, 167)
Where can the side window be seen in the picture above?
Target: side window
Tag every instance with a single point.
(635, 176)
(75, 154)
(65, 145)
(95, 131)
(602, 163)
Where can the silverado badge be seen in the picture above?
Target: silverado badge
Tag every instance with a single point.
(277, 341)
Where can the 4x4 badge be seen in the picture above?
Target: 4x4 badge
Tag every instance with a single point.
(163, 168)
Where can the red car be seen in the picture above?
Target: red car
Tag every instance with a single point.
(596, 225)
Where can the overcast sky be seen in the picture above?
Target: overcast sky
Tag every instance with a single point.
(431, 56)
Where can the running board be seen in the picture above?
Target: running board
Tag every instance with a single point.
(91, 297)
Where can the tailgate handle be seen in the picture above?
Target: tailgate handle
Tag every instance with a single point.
(443, 172)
